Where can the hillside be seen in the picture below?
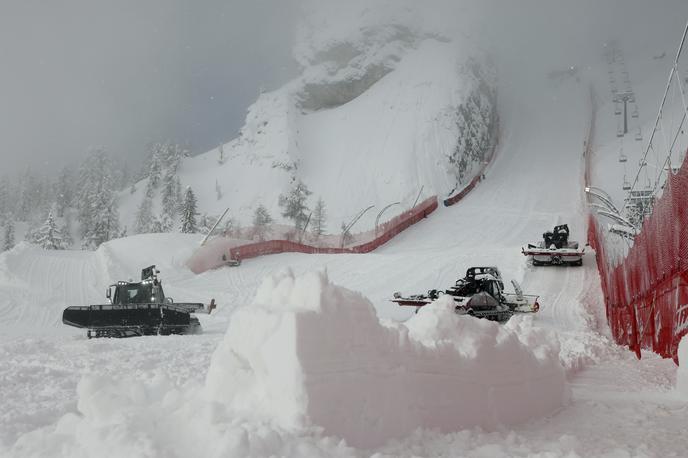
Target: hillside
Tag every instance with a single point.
(379, 114)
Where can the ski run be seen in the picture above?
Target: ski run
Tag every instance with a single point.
(306, 355)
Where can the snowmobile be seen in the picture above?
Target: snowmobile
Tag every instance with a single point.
(480, 294)
(555, 249)
(136, 309)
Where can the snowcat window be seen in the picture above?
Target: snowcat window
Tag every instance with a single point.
(134, 294)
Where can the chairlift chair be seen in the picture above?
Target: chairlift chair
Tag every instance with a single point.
(622, 157)
(635, 113)
(639, 135)
(617, 109)
(626, 184)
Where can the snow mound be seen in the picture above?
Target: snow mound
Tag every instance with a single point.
(309, 353)
(308, 363)
(682, 371)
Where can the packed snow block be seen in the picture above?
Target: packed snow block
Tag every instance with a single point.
(309, 353)
(682, 371)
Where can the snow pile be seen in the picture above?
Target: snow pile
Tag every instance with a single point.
(309, 353)
(682, 371)
(307, 362)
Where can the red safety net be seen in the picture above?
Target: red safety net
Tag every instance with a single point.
(646, 294)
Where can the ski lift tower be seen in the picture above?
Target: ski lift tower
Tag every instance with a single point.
(625, 97)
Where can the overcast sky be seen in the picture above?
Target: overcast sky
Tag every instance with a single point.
(76, 74)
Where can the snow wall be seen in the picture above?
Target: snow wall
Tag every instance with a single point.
(220, 249)
(309, 353)
(646, 295)
(308, 363)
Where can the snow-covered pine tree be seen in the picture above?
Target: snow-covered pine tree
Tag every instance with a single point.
(106, 223)
(178, 193)
(319, 218)
(189, 213)
(124, 177)
(155, 164)
(144, 216)
(294, 205)
(48, 236)
(261, 220)
(66, 231)
(8, 239)
(97, 208)
(156, 226)
(170, 202)
(172, 154)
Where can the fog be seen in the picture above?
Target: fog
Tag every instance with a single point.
(119, 74)
(78, 74)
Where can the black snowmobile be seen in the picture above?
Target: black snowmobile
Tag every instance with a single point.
(480, 294)
(136, 309)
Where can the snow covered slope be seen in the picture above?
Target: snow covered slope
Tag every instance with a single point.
(150, 397)
(613, 402)
(382, 110)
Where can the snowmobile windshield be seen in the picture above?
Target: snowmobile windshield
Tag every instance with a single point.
(136, 293)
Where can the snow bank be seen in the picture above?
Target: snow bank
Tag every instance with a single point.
(308, 362)
(682, 371)
(309, 353)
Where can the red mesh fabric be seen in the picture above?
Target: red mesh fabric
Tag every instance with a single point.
(646, 294)
(209, 257)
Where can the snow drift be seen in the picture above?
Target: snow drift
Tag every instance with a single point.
(309, 357)
(309, 353)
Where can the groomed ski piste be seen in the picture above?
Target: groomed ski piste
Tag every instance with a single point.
(306, 356)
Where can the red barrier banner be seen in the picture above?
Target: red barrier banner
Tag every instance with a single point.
(220, 250)
(646, 293)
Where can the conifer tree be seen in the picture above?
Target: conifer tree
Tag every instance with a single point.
(8, 239)
(154, 168)
(66, 231)
(170, 202)
(144, 216)
(319, 218)
(97, 208)
(294, 205)
(189, 213)
(261, 220)
(48, 236)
